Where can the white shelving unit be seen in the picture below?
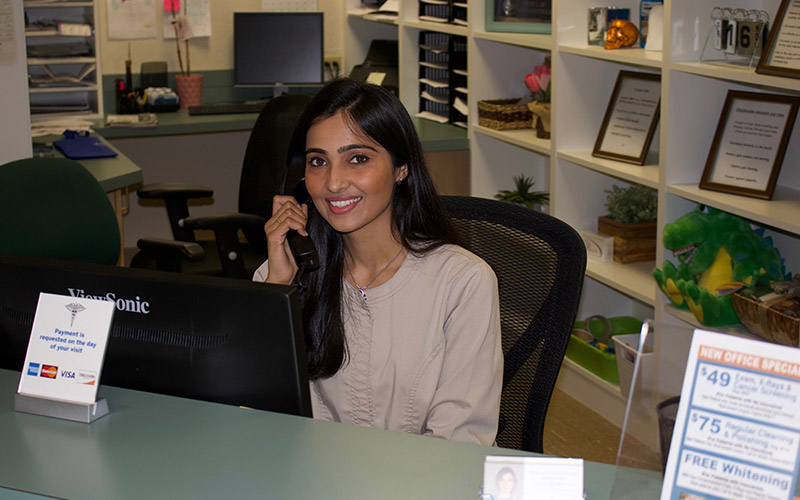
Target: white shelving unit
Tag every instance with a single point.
(80, 59)
(692, 95)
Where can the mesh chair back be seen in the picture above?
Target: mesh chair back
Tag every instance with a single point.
(53, 207)
(539, 262)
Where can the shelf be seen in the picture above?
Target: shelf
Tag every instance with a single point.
(687, 317)
(532, 41)
(450, 29)
(524, 138)
(49, 5)
(60, 90)
(738, 74)
(782, 212)
(646, 175)
(41, 61)
(638, 57)
(634, 280)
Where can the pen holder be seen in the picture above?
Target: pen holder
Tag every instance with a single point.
(190, 89)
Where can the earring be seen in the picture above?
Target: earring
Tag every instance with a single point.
(399, 181)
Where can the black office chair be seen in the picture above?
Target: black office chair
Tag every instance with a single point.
(53, 207)
(263, 170)
(539, 262)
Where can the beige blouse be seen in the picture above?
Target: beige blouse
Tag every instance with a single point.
(424, 351)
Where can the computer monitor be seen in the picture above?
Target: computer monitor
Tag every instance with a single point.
(200, 337)
(278, 49)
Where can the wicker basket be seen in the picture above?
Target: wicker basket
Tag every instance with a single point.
(767, 323)
(504, 114)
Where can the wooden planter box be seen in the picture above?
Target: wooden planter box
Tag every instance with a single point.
(632, 242)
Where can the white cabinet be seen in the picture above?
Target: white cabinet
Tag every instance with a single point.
(63, 60)
(692, 95)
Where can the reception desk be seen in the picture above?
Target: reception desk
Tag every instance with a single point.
(154, 446)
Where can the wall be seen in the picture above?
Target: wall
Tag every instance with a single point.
(15, 120)
(209, 53)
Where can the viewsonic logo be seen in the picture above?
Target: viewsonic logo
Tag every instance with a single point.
(136, 305)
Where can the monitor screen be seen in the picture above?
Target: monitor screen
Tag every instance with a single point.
(277, 48)
(215, 339)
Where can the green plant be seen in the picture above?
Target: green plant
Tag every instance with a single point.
(633, 204)
(522, 193)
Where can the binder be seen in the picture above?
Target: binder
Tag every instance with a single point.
(79, 146)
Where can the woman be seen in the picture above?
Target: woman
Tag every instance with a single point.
(402, 326)
(506, 482)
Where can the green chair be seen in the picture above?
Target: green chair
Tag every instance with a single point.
(53, 207)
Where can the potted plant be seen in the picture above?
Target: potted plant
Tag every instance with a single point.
(631, 220)
(539, 84)
(188, 86)
(522, 194)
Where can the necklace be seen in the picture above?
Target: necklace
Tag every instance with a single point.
(362, 289)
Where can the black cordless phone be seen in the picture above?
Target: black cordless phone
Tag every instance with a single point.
(302, 247)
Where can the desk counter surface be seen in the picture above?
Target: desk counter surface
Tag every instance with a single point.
(154, 446)
(112, 173)
(434, 136)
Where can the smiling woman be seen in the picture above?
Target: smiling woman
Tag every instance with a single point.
(402, 324)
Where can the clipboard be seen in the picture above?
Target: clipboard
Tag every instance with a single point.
(80, 146)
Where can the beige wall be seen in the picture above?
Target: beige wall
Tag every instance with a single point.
(210, 53)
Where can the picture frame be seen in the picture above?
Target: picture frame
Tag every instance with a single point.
(519, 16)
(749, 143)
(781, 56)
(631, 118)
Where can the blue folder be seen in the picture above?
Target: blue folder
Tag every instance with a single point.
(79, 146)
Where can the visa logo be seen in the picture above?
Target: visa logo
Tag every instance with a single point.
(67, 374)
(33, 369)
(49, 371)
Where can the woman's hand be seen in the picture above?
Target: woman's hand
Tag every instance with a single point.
(287, 214)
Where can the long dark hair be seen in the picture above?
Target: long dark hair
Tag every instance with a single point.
(418, 217)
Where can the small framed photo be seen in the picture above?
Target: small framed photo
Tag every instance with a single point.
(751, 139)
(781, 54)
(519, 16)
(631, 118)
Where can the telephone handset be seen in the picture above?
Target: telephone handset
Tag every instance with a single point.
(302, 247)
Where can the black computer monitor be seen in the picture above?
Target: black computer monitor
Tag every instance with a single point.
(215, 339)
(278, 49)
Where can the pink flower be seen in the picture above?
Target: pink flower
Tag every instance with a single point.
(539, 81)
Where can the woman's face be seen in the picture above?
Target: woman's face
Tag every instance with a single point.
(350, 177)
(506, 483)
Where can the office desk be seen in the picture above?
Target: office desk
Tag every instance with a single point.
(209, 150)
(116, 175)
(153, 446)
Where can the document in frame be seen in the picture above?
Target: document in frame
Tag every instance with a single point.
(737, 432)
(131, 19)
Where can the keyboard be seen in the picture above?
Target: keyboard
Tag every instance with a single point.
(227, 108)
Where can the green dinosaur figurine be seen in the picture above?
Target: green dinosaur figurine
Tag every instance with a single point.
(717, 253)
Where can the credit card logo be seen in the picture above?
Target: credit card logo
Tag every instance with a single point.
(86, 377)
(33, 369)
(49, 371)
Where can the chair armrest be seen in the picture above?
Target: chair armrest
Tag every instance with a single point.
(175, 196)
(226, 227)
(164, 190)
(168, 254)
(224, 221)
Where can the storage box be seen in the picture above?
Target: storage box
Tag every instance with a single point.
(602, 364)
(769, 315)
(626, 348)
(504, 114)
(598, 246)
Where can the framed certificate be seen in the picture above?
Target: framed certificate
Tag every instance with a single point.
(519, 16)
(749, 144)
(781, 54)
(631, 118)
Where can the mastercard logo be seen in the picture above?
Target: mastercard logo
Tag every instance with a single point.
(48, 371)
